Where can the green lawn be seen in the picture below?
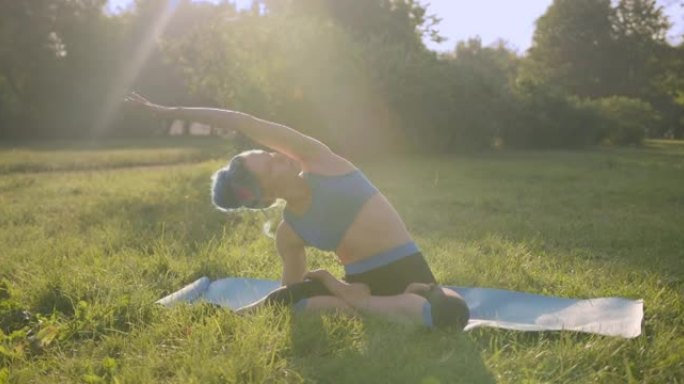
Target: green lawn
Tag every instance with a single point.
(91, 235)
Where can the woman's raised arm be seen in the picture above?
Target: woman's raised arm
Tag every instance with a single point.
(272, 135)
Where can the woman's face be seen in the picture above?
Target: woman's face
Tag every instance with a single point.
(271, 169)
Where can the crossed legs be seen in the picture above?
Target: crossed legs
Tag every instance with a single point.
(418, 304)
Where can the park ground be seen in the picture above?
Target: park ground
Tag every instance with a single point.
(92, 234)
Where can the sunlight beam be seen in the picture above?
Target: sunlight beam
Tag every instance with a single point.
(130, 71)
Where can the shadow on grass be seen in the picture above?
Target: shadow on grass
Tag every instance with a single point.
(175, 217)
(326, 350)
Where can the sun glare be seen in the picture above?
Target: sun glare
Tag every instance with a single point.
(130, 71)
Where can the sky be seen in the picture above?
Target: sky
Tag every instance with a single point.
(492, 20)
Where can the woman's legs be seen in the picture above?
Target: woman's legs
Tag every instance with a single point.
(419, 303)
(289, 295)
(405, 307)
(428, 304)
(313, 295)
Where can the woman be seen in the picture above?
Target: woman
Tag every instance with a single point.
(330, 205)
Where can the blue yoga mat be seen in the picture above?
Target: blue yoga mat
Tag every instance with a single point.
(610, 316)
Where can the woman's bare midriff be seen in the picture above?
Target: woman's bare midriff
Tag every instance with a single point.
(377, 228)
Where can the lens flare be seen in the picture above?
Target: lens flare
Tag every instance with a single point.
(130, 71)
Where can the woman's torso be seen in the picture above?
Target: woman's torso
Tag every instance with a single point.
(374, 228)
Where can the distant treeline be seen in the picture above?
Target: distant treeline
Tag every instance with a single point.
(354, 73)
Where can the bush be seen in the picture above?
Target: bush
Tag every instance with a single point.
(543, 118)
(625, 120)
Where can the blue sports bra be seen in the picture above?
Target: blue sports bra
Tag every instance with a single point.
(335, 202)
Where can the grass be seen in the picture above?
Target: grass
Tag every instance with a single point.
(94, 155)
(90, 236)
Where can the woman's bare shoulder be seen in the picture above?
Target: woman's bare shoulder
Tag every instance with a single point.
(329, 164)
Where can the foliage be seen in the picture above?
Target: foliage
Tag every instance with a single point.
(626, 121)
(543, 117)
(598, 49)
(46, 47)
(572, 47)
(404, 21)
(482, 93)
(354, 73)
(640, 28)
(591, 49)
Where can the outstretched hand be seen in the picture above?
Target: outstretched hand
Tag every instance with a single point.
(218, 119)
(137, 101)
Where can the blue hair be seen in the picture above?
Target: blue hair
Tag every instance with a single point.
(234, 187)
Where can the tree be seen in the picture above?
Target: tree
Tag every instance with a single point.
(39, 65)
(572, 47)
(481, 98)
(359, 83)
(26, 55)
(395, 20)
(641, 48)
(596, 49)
(646, 64)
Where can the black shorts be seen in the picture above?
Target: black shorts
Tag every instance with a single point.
(386, 280)
(393, 278)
